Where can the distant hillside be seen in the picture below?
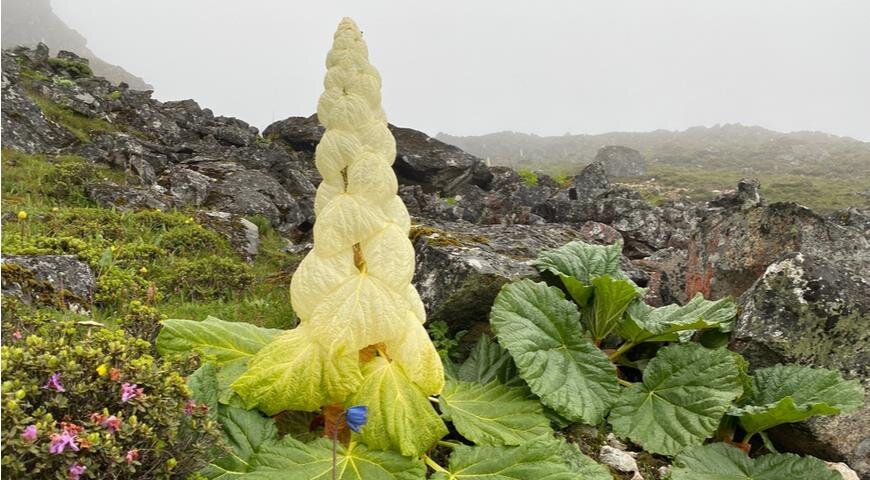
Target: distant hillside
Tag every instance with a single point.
(28, 22)
(750, 150)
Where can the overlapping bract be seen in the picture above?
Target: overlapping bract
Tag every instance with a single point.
(353, 290)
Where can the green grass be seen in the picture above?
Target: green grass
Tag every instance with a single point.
(822, 194)
(79, 125)
(126, 242)
(29, 180)
(528, 176)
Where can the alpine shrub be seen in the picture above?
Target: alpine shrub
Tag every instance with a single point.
(96, 403)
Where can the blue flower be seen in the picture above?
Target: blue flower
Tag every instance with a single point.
(357, 416)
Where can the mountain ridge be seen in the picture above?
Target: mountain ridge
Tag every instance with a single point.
(733, 145)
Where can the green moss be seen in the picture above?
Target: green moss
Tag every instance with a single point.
(440, 238)
(451, 201)
(73, 68)
(194, 240)
(528, 176)
(138, 254)
(115, 95)
(120, 286)
(87, 223)
(207, 278)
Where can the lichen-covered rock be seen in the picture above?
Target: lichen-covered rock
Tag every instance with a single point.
(461, 266)
(644, 227)
(49, 275)
(243, 235)
(24, 126)
(731, 247)
(621, 161)
(128, 199)
(188, 187)
(812, 310)
(667, 271)
(251, 192)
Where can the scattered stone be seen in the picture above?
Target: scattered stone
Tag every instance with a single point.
(621, 162)
(50, 275)
(243, 235)
(128, 199)
(188, 187)
(844, 470)
(619, 460)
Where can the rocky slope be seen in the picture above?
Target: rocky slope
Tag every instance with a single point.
(28, 22)
(799, 275)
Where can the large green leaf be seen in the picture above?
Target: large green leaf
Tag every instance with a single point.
(579, 463)
(294, 372)
(246, 432)
(493, 414)
(610, 298)
(719, 461)
(400, 415)
(582, 261)
(643, 323)
(488, 361)
(204, 386)
(291, 459)
(685, 392)
(793, 393)
(219, 341)
(542, 332)
(538, 460)
(579, 291)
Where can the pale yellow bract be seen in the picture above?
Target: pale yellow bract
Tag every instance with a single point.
(353, 290)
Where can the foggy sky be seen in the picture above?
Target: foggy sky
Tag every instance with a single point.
(475, 67)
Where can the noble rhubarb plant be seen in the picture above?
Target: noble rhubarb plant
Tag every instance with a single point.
(360, 339)
(579, 347)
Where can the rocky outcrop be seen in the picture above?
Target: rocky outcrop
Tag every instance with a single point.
(735, 243)
(29, 22)
(49, 280)
(812, 310)
(420, 160)
(621, 162)
(461, 267)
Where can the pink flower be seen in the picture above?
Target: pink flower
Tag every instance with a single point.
(189, 407)
(17, 335)
(111, 423)
(76, 470)
(53, 383)
(59, 441)
(29, 435)
(132, 456)
(130, 391)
